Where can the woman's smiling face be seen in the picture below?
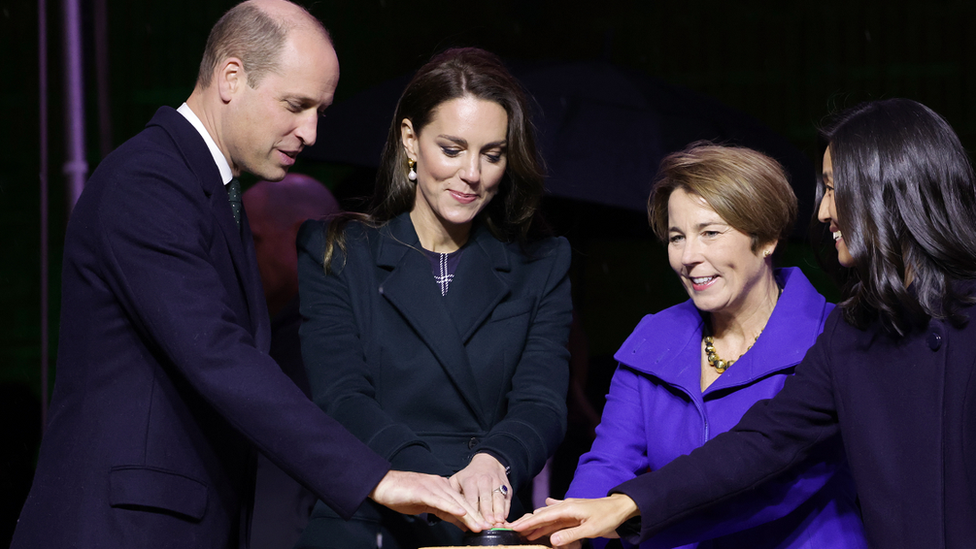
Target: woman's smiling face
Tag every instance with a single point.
(715, 261)
(828, 212)
(461, 158)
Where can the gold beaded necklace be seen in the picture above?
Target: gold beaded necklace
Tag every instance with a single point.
(712, 356)
(715, 361)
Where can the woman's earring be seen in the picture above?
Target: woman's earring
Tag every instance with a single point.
(766, 253)
(412, 174)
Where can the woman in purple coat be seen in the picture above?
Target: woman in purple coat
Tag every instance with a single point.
(893, 373)
(689, 372)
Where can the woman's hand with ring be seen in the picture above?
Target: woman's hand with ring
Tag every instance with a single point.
(485, 486)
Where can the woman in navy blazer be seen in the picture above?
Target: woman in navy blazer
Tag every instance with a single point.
(435, 326)
(893, 372)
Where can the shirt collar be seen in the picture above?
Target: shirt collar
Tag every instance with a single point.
(225, 173)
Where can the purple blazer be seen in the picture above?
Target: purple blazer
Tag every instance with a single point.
(164, 384)
(906, 408)
(656, 411)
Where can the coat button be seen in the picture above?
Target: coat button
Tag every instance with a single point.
(472, 443)
(935, 341)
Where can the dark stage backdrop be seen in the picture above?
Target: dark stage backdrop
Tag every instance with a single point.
(787, 64)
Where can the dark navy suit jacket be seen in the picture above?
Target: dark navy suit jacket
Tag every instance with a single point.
(164, 385)
(905, 409)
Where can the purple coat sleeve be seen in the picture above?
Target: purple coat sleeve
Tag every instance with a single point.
(655, 412)
(617, 454)
(773, 437)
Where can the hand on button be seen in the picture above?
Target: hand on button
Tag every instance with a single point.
(484, 484)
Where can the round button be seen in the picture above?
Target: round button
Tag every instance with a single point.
(472, 443)
(935, 341)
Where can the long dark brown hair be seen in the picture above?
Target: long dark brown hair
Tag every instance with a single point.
(906, 204)
(511, 216)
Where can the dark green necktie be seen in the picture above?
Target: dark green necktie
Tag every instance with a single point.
(234, 195)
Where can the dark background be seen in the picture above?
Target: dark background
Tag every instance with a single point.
(786, 64)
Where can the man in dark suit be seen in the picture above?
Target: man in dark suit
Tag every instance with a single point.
(164, 385)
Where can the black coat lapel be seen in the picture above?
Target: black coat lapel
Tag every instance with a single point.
(477, 289)
(411, 289)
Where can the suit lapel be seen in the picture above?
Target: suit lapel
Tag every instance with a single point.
(239, 240)
(410, 288)
(477, 289)
(253, 289)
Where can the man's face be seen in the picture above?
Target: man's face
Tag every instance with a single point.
(269, 125)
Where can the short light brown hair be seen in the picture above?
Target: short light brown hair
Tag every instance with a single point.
(746, 188)
(255, 37)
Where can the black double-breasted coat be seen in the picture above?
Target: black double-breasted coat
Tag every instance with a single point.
(428, 380)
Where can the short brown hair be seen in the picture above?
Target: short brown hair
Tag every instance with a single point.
(748, 189)
(250, 34)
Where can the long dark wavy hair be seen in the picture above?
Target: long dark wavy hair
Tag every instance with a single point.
(906, 204)
(512, 214)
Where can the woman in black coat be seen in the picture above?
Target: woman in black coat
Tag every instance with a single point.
(893, 374)
(435, 326)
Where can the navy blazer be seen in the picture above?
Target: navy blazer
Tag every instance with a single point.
(164, 385)
(905, 409)
(429, 380)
